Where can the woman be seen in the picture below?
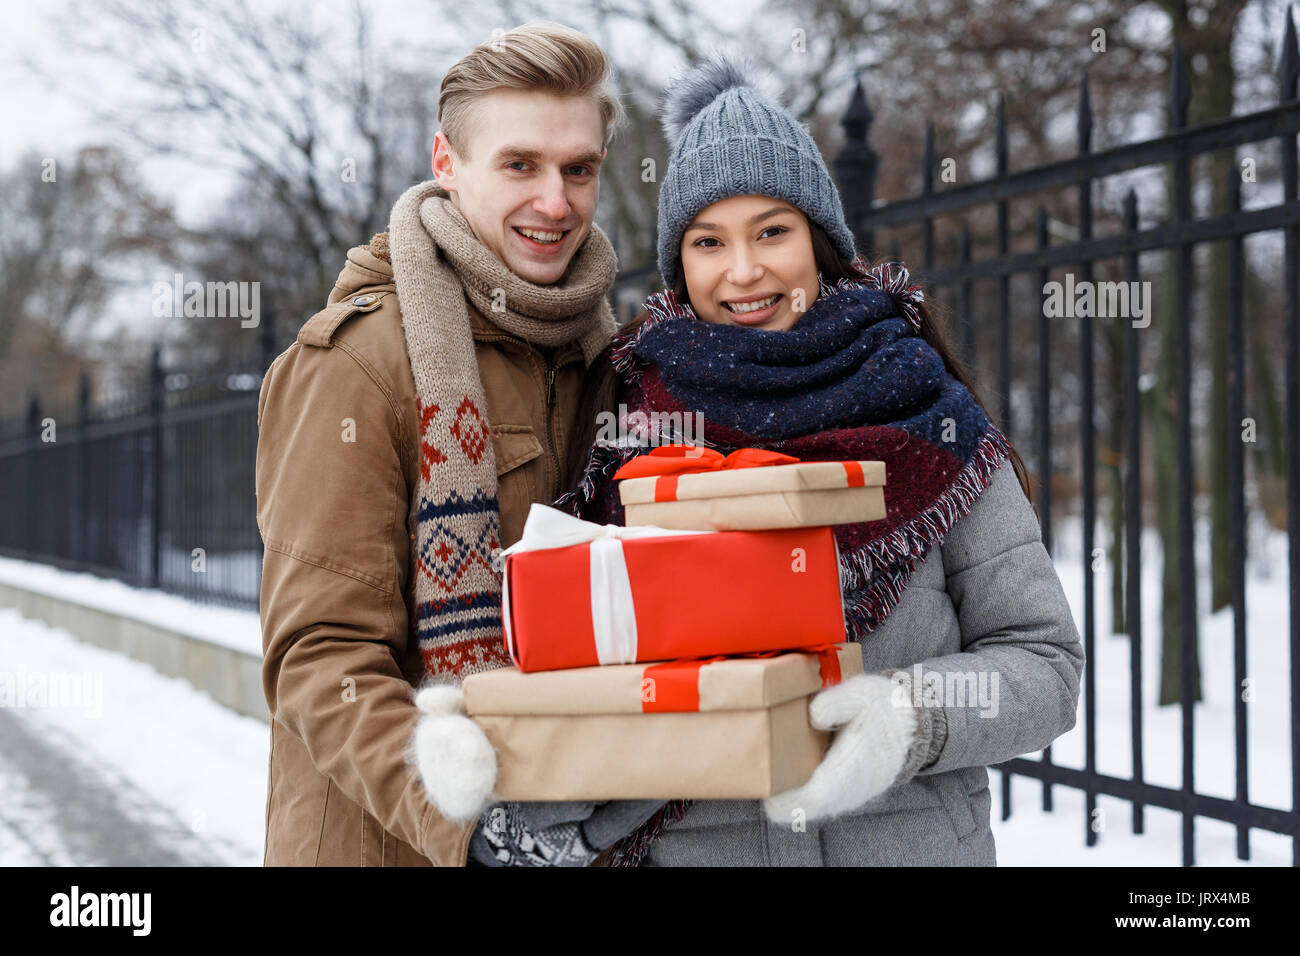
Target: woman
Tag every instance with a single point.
(784, 339)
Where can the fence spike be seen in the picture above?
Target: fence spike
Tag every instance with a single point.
(1084, 122)
(34, 412)
(83, 398)
(858, 117)
(1001, 135)
(1130, 209)
(1180, 89)
(927, 159)
(1288, 67)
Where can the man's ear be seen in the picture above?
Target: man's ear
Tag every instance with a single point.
(443, 167)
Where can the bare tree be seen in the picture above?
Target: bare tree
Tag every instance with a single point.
(67, 230)
(318, 129)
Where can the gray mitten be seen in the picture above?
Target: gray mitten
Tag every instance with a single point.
(554, 833)
(533, 833)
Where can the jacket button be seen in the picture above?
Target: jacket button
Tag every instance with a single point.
(366, 299)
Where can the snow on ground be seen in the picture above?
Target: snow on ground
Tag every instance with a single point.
(146, 754)
(232, 627)
(193, 773)
(1033, 838)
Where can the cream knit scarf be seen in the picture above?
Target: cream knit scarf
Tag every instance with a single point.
(438, 262)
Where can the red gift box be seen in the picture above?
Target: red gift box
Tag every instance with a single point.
(661, 596)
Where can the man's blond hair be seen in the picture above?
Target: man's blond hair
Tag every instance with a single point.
(544, 56)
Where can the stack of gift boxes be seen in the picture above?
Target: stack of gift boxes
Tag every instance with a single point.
(674, 657)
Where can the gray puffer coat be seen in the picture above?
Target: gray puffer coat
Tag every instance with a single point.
(986, 613)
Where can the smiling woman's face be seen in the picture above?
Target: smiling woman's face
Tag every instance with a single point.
(745, 249)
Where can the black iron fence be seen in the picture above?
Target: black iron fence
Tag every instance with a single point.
(855, 169)
(161, 493)
(155, 490)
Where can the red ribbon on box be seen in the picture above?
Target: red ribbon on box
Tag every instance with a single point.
(677, 683)
(669, 462)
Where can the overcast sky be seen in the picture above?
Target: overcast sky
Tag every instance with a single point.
(35, 117)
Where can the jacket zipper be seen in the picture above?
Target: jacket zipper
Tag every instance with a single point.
(550, 425)
(550, 371)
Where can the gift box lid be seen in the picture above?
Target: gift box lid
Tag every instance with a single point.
(731, 482)
(733, 683)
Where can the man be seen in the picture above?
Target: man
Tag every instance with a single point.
(402, 438)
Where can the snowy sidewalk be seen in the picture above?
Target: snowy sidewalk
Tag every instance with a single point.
(152, 772)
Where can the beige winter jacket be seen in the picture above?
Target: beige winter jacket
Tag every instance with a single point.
(337, 519)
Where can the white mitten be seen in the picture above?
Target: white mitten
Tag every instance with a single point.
(877, 725)
(455, 759)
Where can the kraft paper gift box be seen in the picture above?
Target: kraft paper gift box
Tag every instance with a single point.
(720, 729)
(683, 486)
(575, 593)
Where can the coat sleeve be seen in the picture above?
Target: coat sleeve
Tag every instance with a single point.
(332, 504)
(1017, 634)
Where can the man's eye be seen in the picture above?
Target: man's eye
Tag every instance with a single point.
(584, 168)
(517, 162)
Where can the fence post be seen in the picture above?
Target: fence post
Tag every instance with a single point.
(1133, 527)
(266, 336)
(1288, 86)
(81, 460)
(1004, 278)
(1088, 455)
(1180, 94)
(31, 514)
(855, 169)
(157, 399)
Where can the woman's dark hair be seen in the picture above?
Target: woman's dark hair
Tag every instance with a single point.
(598, 388)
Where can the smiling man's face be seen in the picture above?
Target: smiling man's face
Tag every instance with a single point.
(530, 185)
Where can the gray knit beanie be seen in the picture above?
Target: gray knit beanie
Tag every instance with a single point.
(728, 139)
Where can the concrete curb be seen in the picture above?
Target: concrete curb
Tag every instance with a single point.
(231, 677)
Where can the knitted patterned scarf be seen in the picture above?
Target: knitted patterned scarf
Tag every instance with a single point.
(438, 262)
(852, 379)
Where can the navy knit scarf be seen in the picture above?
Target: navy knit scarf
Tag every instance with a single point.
(852, 379)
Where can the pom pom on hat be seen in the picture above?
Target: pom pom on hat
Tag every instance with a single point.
(696, 90)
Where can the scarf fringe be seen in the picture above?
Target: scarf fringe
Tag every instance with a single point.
(631, 850)
(603, 459)
(882, 568)
(660, 307)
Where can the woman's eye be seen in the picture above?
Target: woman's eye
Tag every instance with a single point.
(778, 231)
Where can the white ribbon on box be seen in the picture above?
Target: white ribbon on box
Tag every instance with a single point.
(613, 616)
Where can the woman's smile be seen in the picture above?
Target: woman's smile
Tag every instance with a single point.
(753, 310)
